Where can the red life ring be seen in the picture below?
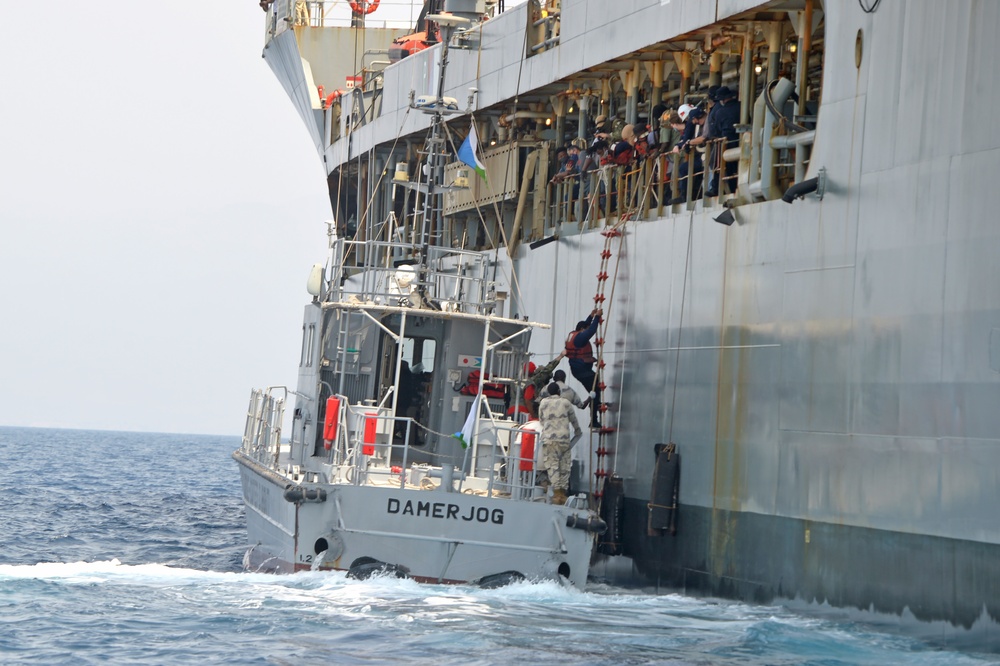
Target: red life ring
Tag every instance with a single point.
(364, 6)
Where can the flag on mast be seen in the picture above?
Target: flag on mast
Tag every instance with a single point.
(465, 434)
(468, 152)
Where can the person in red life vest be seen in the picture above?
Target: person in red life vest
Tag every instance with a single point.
(522, 405)
(581, 361)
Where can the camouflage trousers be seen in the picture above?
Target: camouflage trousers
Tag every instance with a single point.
(557, 460)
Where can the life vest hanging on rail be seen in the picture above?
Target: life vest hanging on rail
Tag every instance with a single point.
(364, 6)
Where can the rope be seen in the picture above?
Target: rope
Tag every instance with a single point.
(385, 169)
(785, 122)
(680, 327)
(614, 231)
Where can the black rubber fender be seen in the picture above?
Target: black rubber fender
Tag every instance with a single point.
(300, 494)
(662, 513)
(501, 579)
(364, 568)
(586, 523)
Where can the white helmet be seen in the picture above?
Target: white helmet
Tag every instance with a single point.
(684, 110)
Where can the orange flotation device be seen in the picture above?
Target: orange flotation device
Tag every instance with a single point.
(364, 6)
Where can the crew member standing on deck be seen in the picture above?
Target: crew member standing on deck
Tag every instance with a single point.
(557, 415)
(581, 360)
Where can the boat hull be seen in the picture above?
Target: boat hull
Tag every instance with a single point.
(430, 536)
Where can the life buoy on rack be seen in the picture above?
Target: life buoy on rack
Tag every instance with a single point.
(364, 6)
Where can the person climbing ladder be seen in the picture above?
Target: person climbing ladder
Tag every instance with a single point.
(581, 361)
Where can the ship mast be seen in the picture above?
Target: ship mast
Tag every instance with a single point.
(432, 187)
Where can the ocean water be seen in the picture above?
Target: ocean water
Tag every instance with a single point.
(126, 548)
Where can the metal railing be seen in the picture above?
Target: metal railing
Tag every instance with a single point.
(501, 462)
(645, 187)
(391, 273)
(545, 26)
(398, 14)
(262, 432)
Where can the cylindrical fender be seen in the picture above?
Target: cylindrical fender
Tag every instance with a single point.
(300, 494)
(662, 513)
(586, 523)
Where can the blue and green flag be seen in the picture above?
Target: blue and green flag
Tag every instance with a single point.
(468, 152)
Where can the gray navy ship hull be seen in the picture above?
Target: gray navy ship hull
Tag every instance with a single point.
(834, 418)
(829, 369)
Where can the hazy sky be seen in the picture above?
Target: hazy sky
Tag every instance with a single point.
(161, 205)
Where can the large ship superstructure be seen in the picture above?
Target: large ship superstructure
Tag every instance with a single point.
(821, 339)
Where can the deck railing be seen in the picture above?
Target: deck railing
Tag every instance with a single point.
(639, 190)
(392, 274)
(376, 448)
(262, 432)
(338, 13)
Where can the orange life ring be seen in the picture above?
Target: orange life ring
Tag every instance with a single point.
(364, 6)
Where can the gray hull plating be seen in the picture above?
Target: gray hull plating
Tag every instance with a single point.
(828, 369)
(832, 423)
(873, 570)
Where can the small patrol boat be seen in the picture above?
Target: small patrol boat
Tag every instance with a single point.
(402, 459)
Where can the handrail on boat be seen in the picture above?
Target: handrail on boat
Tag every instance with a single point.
(393, 272)
(365, 453)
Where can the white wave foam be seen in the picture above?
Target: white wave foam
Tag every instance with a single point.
(113, 570)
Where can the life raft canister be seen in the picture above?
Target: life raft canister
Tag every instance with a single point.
(331, 421)
(364, 6)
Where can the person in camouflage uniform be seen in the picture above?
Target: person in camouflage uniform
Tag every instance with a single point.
(557, 415)
(559, 377)
(539, 379)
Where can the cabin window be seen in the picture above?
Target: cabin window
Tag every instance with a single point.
(419, 351)
(302, 354)
(310, 339)
(415, 384)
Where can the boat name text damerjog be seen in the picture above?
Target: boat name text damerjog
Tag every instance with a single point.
(445, 511)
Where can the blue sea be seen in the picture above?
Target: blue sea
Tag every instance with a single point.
(127, 548)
